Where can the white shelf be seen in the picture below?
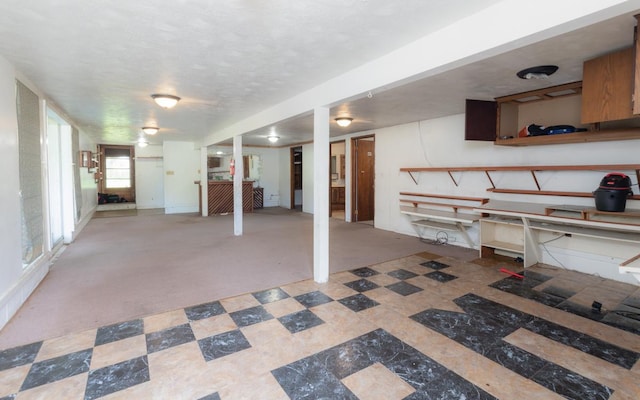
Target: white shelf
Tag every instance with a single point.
(500, 245)
(587, 232)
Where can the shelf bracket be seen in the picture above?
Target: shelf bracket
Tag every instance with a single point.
(535, 179)
(412, 177)
(452, 178)
(490, 180)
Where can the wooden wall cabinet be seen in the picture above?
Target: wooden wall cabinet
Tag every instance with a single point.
(607, 87)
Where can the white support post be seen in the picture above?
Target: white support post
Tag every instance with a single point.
(204, 181)
(321, 194)
(237, 185)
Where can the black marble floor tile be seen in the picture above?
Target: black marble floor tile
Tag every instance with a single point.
(308, 379)
(113, 378)
(570, 384)
(250, 316)
(223, 344)
(451, 386)
(313, 299)
(213, 396)
(271, 295)
(585, 343)
(318, 376)
(123, 330)
(18, 356)
(434, 265)
(361, 285)
(300, 321)
(477, 332)
(517, 360)
(174, 336)
(10, 397)
(358, 302)
(404, 288)
(622, 320)
(523, 289)
(558, 291)
(203, 311)
(364, 272)
(402, 274)
(578, 309)
(632, 301)
(57, 368)
(501, 314)
(533, 278)
(440, 276)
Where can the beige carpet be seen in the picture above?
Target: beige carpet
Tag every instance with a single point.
(131, 266)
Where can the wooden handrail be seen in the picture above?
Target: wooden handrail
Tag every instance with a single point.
(593, 167)
(551, 193)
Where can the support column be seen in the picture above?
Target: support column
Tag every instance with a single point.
(204, 181)
(321, 194)
(237, 185)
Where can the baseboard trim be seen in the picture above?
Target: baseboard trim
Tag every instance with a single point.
(15, 297)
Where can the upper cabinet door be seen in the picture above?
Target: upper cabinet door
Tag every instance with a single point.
(480, 120)
(607, 87)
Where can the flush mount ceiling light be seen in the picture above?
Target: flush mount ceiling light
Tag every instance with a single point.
(165, 100)
(344, 121)
(142, 142)
(150, 130)
(539, 72)
(273, 138)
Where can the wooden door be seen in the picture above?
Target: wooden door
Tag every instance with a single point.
(117, 172)
(363, 190)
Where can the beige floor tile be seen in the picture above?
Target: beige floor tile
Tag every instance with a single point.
(68, 389)
(298, 288)
(417, 269)
(377, 383)
(143, 391)
(212, 326)
(608, 298)
(427, 256)
(342, 277)
(239, 302)
(118, 351)
(166, 320)
(264, 386)
(337, 290)
(67, 344)
(383, 279)
(589, 366)
(283, 307)
(11, 379)
(266, 333)
(179, 369)
(243, 366)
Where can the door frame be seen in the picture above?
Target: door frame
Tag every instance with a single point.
(103, 161)
(354, 177)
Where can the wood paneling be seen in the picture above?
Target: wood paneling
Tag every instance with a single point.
(221, 197)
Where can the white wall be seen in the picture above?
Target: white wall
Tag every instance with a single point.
(88, 184)
(440, 142)
(181, 170)
(270, 176)
(149, 164)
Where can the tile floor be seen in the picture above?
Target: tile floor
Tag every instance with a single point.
(420, 327)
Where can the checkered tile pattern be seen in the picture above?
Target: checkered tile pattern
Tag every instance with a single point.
(419, 327)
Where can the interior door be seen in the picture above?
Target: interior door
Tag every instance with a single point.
(117, 164)
(363, 192)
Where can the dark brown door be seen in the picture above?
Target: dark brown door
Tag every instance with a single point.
(363, 190)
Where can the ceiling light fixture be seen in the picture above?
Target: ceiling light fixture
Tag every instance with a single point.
(273, 139)
(150, 130)
(142, 142)
(344, 121)
(539, 72)
(165, 100)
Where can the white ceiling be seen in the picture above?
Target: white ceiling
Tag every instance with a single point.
(99, 61)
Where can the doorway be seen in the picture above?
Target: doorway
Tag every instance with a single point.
(296, 178)
(363, 178)
(337, 180)
(118, 179)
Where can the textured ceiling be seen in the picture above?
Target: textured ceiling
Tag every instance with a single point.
(99, 61)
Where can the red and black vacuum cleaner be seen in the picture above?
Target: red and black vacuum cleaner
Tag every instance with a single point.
(613, 191)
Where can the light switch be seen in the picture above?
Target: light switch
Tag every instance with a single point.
(170, 172)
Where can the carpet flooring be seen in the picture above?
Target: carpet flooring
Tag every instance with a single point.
(130, 266)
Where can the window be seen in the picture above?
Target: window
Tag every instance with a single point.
(118, 172)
